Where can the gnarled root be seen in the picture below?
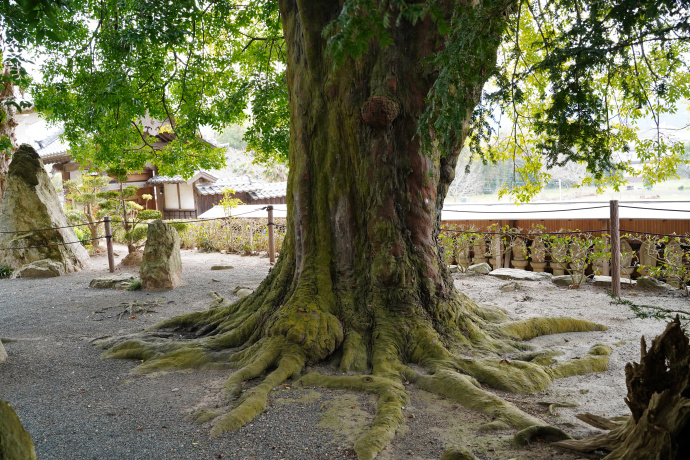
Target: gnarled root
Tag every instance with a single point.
(659, 399)
(274, 344)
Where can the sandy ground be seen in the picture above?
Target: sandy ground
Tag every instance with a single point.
(76, 405)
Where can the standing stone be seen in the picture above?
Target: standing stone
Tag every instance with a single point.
(538, 255)
(578, 257)
(627, 254)
(648, 257)
(496, 251)
(519, 253)
(161, 266)
(673, 258)
(3, 353)
(15, 442)
(602, 255)
(480, 252)
(31, 204)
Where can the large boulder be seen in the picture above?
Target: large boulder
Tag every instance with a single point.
(15, 442)
(30, 215)
(161, 266)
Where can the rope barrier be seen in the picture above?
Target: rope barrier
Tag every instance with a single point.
(654, 234)
(56, 244)
(652, 209)
(219, 218)
(524, 212)
(523, 234)
(53, 228)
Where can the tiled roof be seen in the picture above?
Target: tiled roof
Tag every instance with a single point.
(269, 190)
(177, 179)
(255, 188)
(159, 180)
(51, 148)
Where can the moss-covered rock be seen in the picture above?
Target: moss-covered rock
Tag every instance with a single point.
(161, 265)
(32, 219)
(15, 442)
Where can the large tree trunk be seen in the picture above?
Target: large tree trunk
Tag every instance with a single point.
(361, 278)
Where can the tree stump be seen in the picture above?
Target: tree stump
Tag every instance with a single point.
(659, 400)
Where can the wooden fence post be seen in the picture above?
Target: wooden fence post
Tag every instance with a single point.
(271, 244)
(615, 250)
(109, 244)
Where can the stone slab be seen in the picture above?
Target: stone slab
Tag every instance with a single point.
(119, 282)
(522, 275)
(601, 280)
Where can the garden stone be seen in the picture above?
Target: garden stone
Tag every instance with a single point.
(648, 257)
(522, 275)
(31, 203)
(3, 353)
(538, 255)
(509, 287)
(601, 280)
(648, 283)
(45, 268)
(481, 269)
(479, 251)
(242, 292)
(626, 259)
(161, 265)
(222, 267)
(15, 442)
(519, 247)
(120, 282)
(563, 280)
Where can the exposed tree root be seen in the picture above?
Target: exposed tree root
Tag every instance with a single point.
(659, 399)
(453, 356)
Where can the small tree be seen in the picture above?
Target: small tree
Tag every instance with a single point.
(228, 202)
(128, 215)
(85, 194)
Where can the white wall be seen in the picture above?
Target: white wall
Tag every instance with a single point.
(170, 194)
(186, 196)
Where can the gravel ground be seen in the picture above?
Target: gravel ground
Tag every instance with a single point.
(77, 406)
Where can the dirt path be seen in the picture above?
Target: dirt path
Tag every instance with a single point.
(78, 406)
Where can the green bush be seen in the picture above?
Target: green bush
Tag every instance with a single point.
(240, 236)
(5, 272)
(149, 214)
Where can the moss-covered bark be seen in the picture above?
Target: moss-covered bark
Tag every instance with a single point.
(360, 279)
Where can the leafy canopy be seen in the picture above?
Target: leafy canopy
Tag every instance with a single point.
(185, 64)
(573, 79)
